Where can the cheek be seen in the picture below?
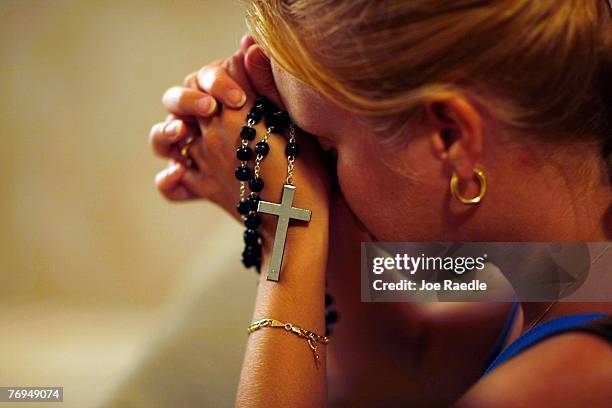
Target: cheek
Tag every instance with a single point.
(367, 185)
(394, 202)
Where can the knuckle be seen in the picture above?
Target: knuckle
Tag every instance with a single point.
(227, 63)
(209, 77)
(191, 80)
(183, 104)
(160, 189)
(156, 130)
(160, 178)
(170, 96)
(235, 60)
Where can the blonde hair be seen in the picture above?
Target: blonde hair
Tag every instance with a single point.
(548, 61)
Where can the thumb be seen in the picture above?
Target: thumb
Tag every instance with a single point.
(259, 71)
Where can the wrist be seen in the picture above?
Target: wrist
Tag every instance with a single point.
(313, 234)
(299, 293)
(312, 244)
(306, 244)
(302, 273)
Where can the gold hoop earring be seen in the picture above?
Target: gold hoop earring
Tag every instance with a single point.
(454, 182)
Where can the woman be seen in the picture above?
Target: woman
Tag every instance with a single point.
(406, 95)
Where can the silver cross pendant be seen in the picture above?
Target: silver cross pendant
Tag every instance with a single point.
(285, 212)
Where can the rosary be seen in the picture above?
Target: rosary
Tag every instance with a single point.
(250, 205)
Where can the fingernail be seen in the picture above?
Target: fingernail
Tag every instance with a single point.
(173, 128)
(207, 105)
(236, 97)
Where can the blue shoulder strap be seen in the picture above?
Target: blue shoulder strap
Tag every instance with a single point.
(499, 346)
(543, 331)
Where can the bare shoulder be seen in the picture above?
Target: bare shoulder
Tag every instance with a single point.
(570, 369)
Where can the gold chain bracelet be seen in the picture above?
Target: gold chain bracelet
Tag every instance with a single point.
(312, 337)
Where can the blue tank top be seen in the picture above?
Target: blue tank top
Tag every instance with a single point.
(536, 334)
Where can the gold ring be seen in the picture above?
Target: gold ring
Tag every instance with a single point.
(185, 153)
(483, 188)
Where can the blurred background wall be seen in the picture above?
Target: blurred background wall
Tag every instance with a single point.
(98, 274)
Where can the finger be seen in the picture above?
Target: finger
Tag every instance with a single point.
(184, 151)
(234, 67)
(259, 71)
(184, 101)
(216, 82)
(196, 152)
(168, 182)
(195, 182)
(245, 42)
(184, 118)
(164, 137)
(191, 81)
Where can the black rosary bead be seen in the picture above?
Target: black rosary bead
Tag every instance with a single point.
(249, 261)
(292, 149)
(262, 148)
(265, 104)
(283, 118)
(256, 184)
(253, 201)
(243, 173)
(243, 206)
(244, 153)
(331, 317)
(254, 249)
(247, 133)
(252, 221)
(251, 237)
(253, 259)
(262, 101)
(255, 114)
(278, 121)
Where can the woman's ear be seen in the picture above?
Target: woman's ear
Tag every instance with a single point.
(457, 133)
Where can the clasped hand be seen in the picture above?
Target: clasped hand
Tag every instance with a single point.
(210, 108)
